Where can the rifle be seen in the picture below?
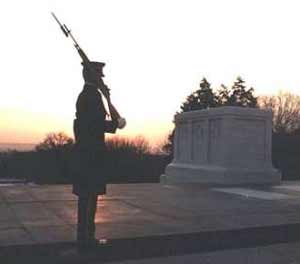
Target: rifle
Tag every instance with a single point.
(86, 62)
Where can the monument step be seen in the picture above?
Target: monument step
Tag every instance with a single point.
(251, 193)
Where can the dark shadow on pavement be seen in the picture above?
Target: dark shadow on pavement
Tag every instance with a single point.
(153, 246)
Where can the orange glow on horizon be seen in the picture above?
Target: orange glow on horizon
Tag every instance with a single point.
(21, 126)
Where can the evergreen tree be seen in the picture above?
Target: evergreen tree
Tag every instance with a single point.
(200, 99)
(240, 96)
(223, 96)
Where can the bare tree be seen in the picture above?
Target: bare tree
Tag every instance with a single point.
(55, 141)
(286, 111)
(136, 146)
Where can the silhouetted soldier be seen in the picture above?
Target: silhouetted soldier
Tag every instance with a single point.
(89, 175)
(89, 128)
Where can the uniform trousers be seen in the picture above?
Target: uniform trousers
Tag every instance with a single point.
(87, 206)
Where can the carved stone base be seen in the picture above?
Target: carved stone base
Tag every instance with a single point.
(225, 145)
(184, 173)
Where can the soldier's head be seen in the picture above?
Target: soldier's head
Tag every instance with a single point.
(93, 72)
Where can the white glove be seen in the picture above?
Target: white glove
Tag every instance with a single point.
(121, 122)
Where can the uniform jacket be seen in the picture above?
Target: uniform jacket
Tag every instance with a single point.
(90, 126)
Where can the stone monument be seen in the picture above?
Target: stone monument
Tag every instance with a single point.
(223, 145)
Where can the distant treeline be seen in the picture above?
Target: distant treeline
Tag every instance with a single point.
(4, 147)
(286, 155)
(131, 161)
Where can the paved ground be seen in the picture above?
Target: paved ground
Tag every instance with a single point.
(152, 220)
(275, 254)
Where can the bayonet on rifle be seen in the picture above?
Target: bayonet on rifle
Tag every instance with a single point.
(67, 33)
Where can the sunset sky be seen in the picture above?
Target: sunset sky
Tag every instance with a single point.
(156, 53)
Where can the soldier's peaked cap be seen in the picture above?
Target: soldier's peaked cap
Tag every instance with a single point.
(96, 64)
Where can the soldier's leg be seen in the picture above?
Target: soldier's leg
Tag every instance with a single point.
(82, 221)
(93, 198)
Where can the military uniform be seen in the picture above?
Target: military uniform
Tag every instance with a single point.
(90, 172)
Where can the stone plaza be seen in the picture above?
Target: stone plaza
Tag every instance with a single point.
(141, 221)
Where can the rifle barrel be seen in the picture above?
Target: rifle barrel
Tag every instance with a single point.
(72, 37)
